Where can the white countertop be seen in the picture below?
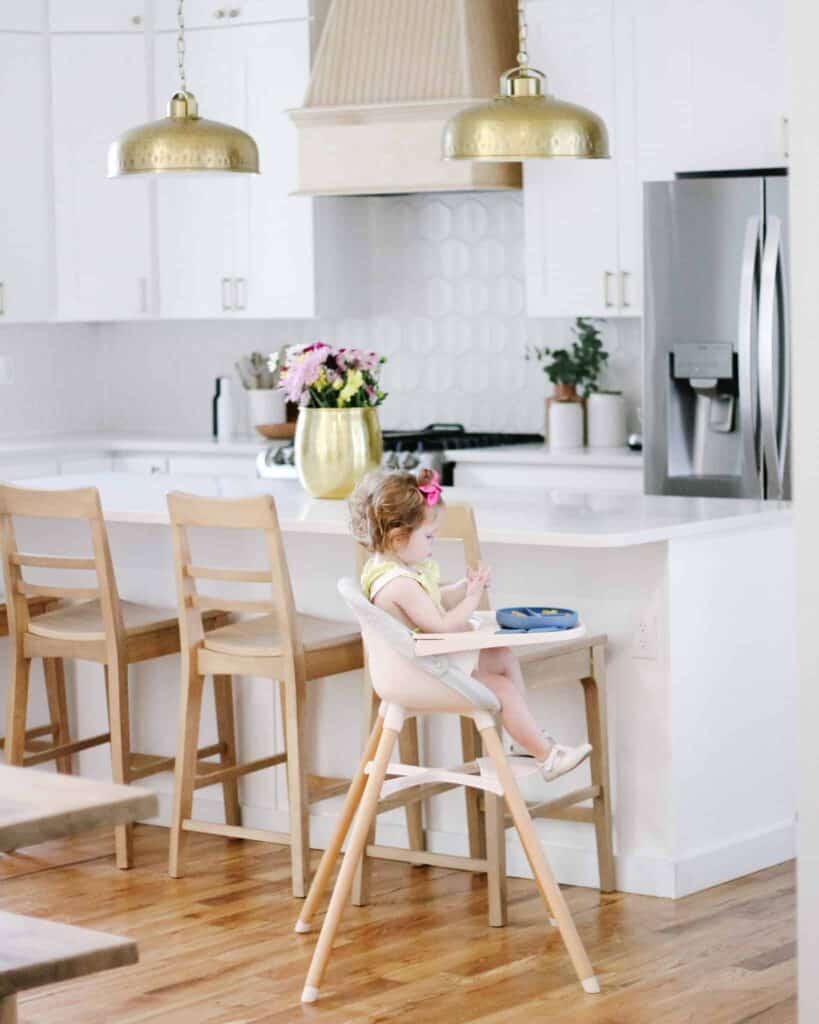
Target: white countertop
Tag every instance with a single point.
(540, 455)
(117, 442)
(548, 518)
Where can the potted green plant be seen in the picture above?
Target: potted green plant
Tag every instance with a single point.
(575, 372)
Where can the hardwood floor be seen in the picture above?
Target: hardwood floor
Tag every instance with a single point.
(217, 947)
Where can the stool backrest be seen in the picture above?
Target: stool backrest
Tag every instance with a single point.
(79, 504)
(259, 514)
(457, 523)
(430, 683)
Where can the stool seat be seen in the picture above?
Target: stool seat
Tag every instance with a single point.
(261, 637)
(83, 621)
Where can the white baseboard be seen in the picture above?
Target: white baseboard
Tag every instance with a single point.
(642, 874)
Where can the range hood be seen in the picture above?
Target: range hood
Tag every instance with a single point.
(388, 75)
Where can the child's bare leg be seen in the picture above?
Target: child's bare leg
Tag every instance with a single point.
(500, 671)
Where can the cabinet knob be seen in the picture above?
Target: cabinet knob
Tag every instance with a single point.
(234, 12)
(136, 19)
(220, 13)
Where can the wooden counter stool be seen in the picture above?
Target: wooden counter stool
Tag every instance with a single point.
(410, 685)
(582, 661)
(91, 623)
(54, 678)
(485, 837)
(278, 644)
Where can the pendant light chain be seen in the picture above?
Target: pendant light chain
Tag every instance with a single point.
(180, 45)
(523, 35)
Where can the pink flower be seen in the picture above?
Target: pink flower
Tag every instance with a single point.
(303, 371)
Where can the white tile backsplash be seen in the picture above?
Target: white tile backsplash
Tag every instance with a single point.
(448, 310)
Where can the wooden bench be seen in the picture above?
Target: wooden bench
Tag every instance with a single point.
(35, 952)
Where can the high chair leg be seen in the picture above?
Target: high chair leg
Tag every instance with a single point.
(364, 869)
(549, 888)
(408, 752)
(226, 731)
(341, 892)
(187, 738)
(330, 855)
(54, 676)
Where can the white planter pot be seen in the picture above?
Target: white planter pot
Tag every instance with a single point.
(565, 427)
(266, 405)
(606, 421)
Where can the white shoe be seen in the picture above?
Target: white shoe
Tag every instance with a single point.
(563, 759)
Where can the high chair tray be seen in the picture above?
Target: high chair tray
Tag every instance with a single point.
(484, 635)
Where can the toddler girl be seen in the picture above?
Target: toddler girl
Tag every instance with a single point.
(396, 516)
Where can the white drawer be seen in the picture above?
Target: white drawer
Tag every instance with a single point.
(145, 464)
(86, 464)
(97, 15)
(21, 469)
(213, 465)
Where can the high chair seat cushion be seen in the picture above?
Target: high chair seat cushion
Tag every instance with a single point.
(83, 621)
(394, 666)
(261, 638)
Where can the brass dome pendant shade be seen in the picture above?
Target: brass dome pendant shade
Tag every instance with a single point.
(524, 122)
(182, 141)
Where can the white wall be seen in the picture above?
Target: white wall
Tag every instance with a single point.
(802, 29)
(447, 309)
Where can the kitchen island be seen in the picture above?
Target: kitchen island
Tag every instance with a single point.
(696, 596)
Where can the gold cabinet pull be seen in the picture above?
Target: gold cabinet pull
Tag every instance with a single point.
(623, 299)
(607, 276)
(226, 304)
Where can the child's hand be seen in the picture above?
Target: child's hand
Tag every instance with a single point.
(477, 580)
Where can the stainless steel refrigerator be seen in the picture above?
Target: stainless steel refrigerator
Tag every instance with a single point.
(716, 387)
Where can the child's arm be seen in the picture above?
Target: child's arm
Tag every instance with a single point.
(453, 593)
(421, 610)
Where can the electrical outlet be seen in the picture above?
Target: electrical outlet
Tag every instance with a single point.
(646, 638)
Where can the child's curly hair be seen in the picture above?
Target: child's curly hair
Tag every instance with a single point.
(386, 507)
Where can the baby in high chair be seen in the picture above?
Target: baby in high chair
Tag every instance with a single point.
(396, 517)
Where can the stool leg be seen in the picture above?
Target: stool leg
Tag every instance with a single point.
(54, 675)
(408, 752)
(187, 739)
(549, 888)
(226, 731)
(476, 826)
(358, 837)
(363, 871)
(116, 680)
(598, 760)
(8, 1009)
(330, 855)
(496, 855)
(293, 694)
(17, 708)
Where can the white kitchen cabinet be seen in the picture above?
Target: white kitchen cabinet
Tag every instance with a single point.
(22, 17)
(148, 464)
(12, 469)
(213, 465)
(103, 238)
(561, 477)
(242, 245)
(576, 265)
(25, 225)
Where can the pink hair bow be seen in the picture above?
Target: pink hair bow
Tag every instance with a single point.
(432, 490)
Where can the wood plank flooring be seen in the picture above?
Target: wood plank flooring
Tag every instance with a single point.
(217, 947)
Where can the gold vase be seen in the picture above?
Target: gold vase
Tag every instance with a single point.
(335, 448)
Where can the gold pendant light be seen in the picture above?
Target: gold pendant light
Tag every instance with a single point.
(182, 141)
(524, 122)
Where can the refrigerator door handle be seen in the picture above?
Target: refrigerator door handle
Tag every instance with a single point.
(745, 343)
(773, 315)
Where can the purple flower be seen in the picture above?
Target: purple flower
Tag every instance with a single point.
(303, 371)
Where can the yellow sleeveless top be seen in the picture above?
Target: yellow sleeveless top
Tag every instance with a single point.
(379, 571)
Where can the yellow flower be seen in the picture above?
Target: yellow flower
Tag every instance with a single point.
(338, 384)
(354, 383)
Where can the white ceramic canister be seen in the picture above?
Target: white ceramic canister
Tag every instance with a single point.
(606, 414)
(565, 428)
(266, 405)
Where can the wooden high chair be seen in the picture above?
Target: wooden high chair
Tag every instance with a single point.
(278, 643)
(408, 684)
(576, 660)
(54, 679)
(89, 623)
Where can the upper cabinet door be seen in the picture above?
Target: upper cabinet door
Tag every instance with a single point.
(198, 213)
(22, 17)
(99, 89)
(571, 205)
(275, 264)
(25, 230)
(96, 15)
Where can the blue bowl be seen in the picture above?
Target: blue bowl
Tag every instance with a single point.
(535, 618)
